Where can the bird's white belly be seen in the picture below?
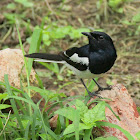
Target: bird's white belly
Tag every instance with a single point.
(82, 74)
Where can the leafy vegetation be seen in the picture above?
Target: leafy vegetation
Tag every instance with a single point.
(32, 124)
(58, 27)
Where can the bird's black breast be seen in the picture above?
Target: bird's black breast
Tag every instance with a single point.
(102, 61)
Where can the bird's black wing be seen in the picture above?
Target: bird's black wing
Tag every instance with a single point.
(82, 51)
(77, 57)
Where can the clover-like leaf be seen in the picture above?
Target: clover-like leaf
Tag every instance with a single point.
(95, 114)
(81, 107)
(71, 129)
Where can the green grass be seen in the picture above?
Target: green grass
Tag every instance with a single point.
(31, 126)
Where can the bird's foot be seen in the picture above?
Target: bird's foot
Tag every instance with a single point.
(101, 89)
(94, 94)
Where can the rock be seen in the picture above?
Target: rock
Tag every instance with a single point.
(12, 63)
(53, 121)
(123, 105)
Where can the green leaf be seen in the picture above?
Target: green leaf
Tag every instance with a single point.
(13, 103)
(52, 66)
(59, 77)
(137, 33)
(66, 29)
(25, 3)
(107, 138)
(87, 134)
(40, 82)
(11, 6)
(47, 129)
(46, 94)
(25, 122)
(126, 133)
(126, 22)
(56, 34)
(107, 105)
(76, 123)
(20, 139)
(95, 114)
(12, 17)
(35, 43)
(4, 106)
(67, 112)
(81, 107)
(70, 128)
(1, 125)
(73, 115)
(43, 136)
(83, 30)
(12, 123)
(138, 135)
(46, 136)
(56, 68)
(138, 109)
(114, 3)
(3, 96)
(136, 18)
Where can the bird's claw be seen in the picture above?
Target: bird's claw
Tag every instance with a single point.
(94, 94)
(101, 89)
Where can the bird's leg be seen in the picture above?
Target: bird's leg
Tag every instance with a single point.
(86, 87)
(99, 87)
(89, 93)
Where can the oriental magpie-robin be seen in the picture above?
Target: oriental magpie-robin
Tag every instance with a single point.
(88, 61)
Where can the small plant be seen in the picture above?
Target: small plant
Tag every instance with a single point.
(84, 119)
(25, 3)
(2, 99)
(133, 22)
(117, 5)
(53, 32)
(105, 7)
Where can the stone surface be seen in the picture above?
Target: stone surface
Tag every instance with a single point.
(12, 63)
(123, 105)
(53, 121)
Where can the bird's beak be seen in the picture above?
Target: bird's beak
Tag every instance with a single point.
(92, 41)
(87, 34)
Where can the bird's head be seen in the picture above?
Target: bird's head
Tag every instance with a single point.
(99, 40)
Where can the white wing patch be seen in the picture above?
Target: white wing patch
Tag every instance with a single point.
(43, 60)
(77, 59)
(65, 54)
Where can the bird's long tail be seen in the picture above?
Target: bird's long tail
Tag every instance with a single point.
(44, 57)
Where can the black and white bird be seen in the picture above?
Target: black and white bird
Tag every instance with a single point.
(88, 61)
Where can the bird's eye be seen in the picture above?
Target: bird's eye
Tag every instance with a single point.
(101, 37)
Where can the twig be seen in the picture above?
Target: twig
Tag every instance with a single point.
(51, 8)
(6, 122)
(136, 1)
(6, 35)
